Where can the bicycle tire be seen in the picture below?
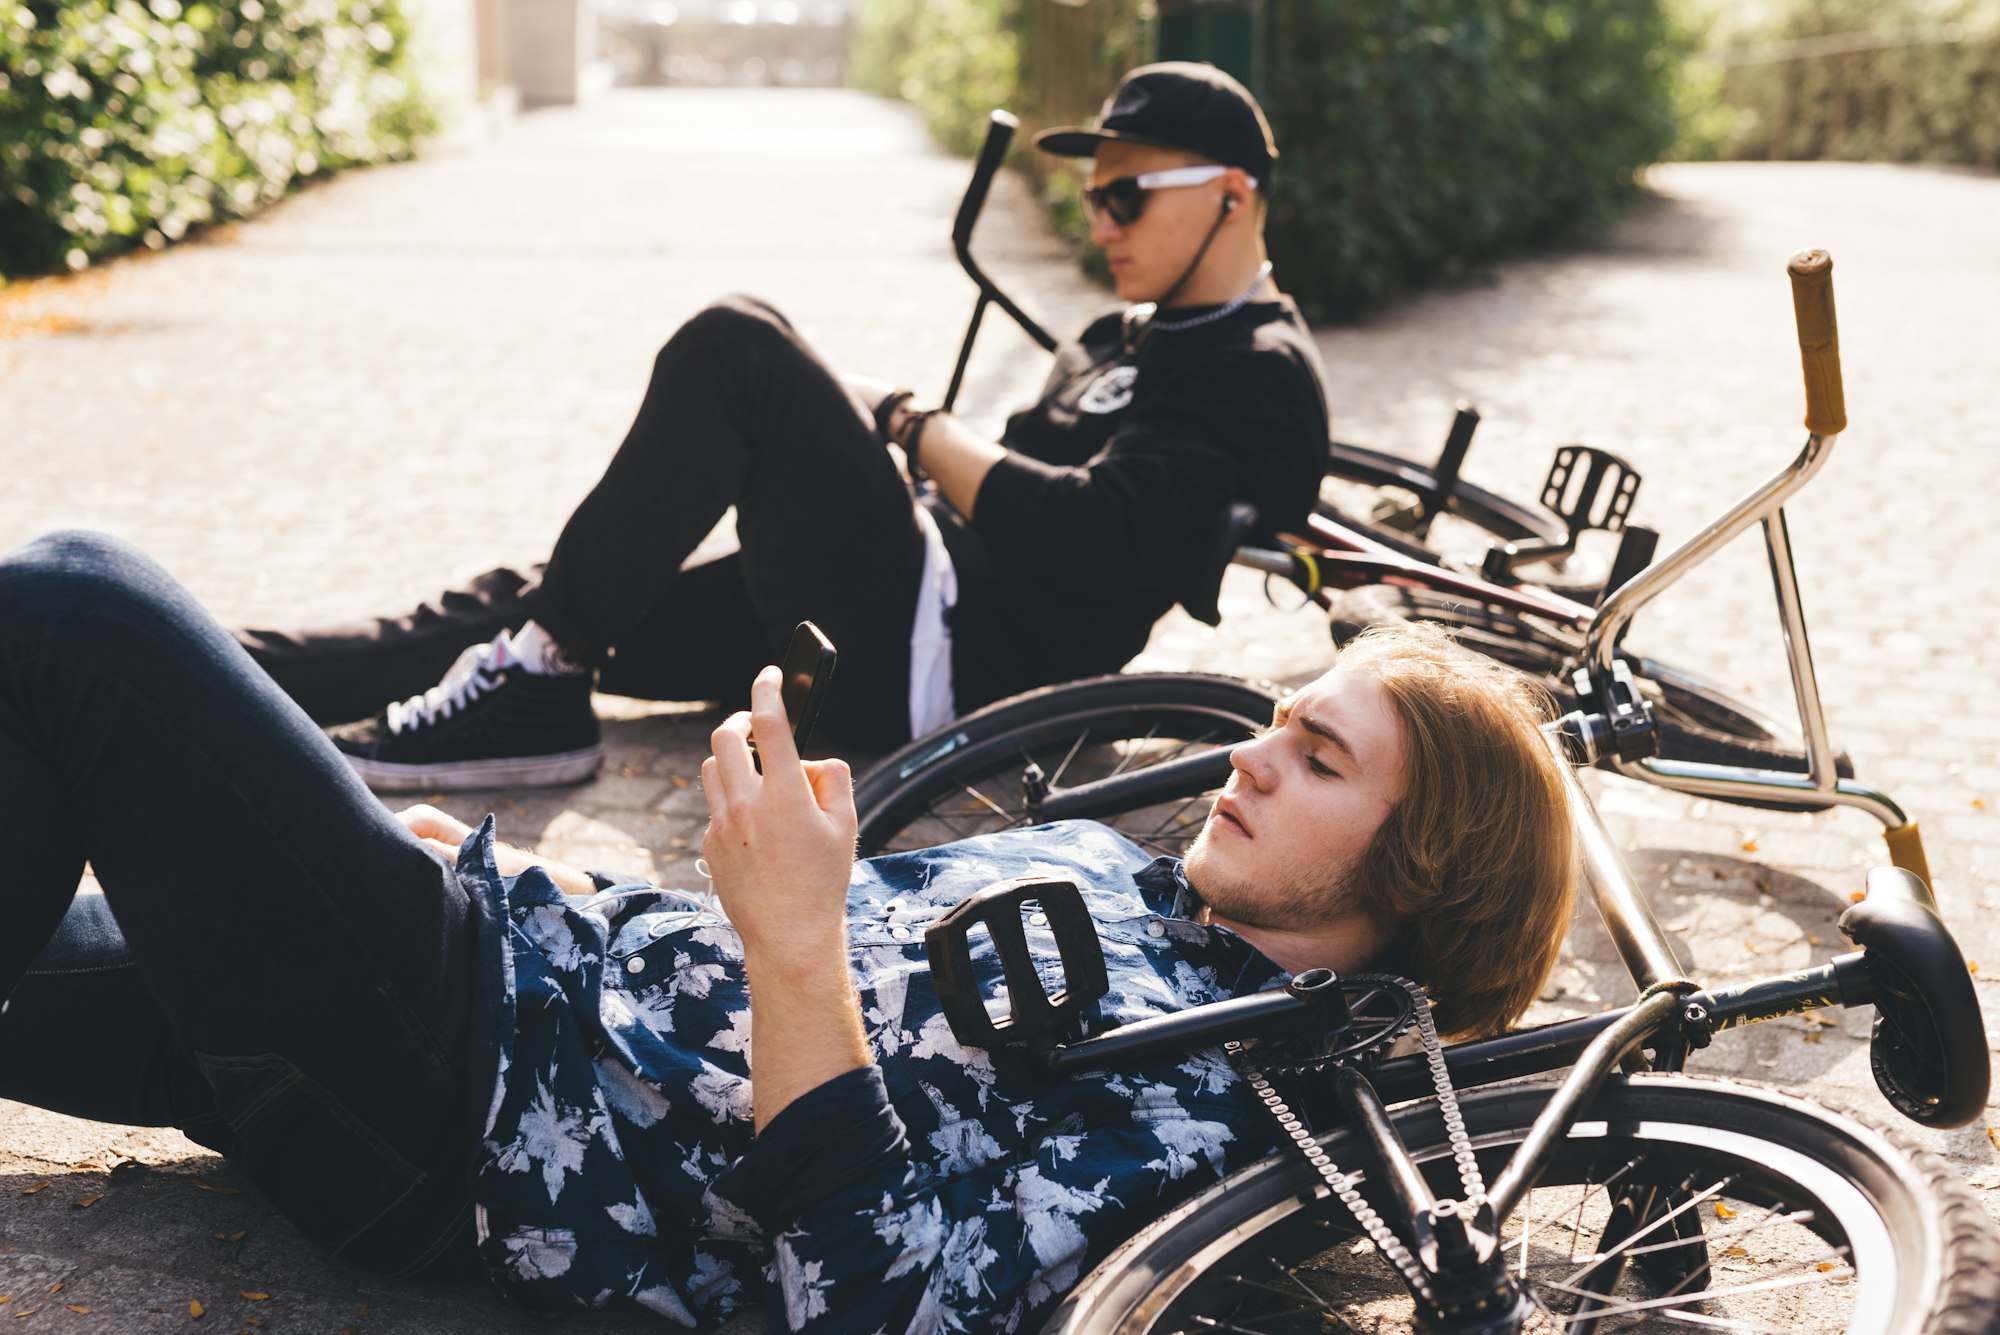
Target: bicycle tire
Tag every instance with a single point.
(1697, 720)
(1073, 731)
(1394, 490)
(1924, 1256)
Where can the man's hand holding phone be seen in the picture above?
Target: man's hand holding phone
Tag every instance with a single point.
(780, 847)
(779, 844)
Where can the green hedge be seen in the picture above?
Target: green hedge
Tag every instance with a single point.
(1416, 136)
(124, 123)
(1928, 90)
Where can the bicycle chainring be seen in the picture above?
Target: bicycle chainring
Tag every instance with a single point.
(1383, 1008)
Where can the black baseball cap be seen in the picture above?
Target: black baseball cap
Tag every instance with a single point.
(1177, 104)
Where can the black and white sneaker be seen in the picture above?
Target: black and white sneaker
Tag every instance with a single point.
(510, 714)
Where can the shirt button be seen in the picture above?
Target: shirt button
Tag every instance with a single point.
(900, 933)
(1156, 928)
(635, 965)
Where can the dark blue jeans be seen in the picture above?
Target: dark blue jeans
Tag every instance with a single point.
(276, 966)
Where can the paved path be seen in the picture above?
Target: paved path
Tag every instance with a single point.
(417, 370)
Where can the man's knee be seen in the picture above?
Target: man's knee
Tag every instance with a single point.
(63, 581)
(730, 324)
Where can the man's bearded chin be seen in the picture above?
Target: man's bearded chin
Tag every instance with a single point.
(1288, 897)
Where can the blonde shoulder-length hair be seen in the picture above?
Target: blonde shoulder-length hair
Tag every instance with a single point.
(1478, 858)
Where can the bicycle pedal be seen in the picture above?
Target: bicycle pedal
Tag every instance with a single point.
(1033, 1018)
(1396, 515)
(1578, 476)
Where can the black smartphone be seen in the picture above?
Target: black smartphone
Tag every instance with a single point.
(807, 668)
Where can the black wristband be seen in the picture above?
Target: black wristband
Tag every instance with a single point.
(913, 438)
(885, 411)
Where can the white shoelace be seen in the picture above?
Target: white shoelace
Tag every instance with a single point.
(471, 675)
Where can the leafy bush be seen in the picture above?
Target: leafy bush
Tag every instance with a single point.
(1919, 81)
(1418, 137)
(124, 123)
(955, 59)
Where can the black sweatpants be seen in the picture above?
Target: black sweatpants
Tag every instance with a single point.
(740, 411)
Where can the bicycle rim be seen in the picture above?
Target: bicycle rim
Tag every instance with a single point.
(1810, 1223)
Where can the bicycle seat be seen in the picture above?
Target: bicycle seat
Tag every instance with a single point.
(1928, 1051)
(1202, 590)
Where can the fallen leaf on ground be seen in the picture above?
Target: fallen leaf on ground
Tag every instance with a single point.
(1811, 940)
(1972, 966)
(1722, 1211)
(253, 1295)
(195, 1309)
(80, 1311)
(1734, 1251)
(238, 1235)
(1825, 1266)
(1856, 896)
(84, 1203)
(1993, 1137)
(57, 1286)
(1979, 803)
(38, 1187)
(1749, 845)
(1812, 1035)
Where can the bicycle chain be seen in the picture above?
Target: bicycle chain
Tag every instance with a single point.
(1341, 1183)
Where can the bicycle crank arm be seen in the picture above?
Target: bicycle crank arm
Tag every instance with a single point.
(1190, 776)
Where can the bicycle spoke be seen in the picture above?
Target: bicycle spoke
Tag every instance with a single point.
(990, 804)
(1733, 1231)
(1666, 1218)
(1174, 816)
(1126, 760)
(1728, 1323)
(1055, 779)
(1648, 1304)
(1528, 1233)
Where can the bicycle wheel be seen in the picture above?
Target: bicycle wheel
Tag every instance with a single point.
(1389, 497)
(1698, 721)
(969, 778)
(1811, 1222)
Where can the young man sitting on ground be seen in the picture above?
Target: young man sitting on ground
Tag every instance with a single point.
(439, 1057)
(1043, 556)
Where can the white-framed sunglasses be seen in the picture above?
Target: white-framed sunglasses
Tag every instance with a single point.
(1124, 199)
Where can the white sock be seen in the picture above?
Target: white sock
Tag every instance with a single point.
(538, 652)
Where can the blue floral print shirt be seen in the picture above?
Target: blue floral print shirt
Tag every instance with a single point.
(942, 1189)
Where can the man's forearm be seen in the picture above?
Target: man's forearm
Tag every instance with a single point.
(805, 1027)
(956, 457)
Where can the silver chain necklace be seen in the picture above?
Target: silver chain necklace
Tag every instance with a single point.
(1220, 312)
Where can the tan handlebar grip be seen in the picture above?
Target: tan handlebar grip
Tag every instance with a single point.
(1906, 850)
(1819, 341)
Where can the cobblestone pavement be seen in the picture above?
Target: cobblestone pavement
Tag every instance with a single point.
(416, 371)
